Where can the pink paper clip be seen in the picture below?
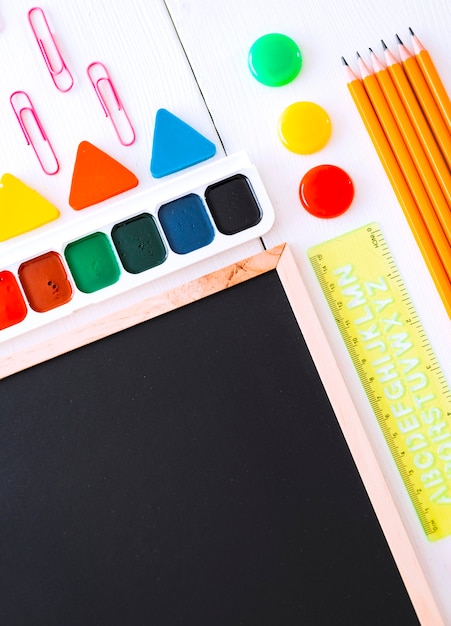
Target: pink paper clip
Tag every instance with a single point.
(54, 61)
(111, 103)
(34, 131)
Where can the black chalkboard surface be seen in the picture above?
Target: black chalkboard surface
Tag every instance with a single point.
(188, 470)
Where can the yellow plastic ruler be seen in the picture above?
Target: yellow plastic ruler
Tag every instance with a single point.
(396, 364)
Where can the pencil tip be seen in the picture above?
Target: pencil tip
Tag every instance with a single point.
(343, 60)
(357, 55)
(411, 32)
(371, 51)
(399, 40)
(384, 45)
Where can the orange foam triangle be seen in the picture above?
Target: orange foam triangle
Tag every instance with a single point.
(97, 177)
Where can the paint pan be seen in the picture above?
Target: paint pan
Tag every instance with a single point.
(12, 304)
(139, 243)
(92, 262)
(186, 224)
(45, 282)
(233, 205)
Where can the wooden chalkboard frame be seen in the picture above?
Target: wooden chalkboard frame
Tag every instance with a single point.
(280, 259)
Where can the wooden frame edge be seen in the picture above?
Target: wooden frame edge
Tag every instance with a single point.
(403, 551)
(280, 259)
(146, 309)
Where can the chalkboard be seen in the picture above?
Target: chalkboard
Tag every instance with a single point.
(187, 470)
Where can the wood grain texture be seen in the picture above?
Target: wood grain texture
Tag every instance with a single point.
(281, 259)
(217, 39)
(139, 46)
(374, 477)
(246, 114)
(147, 308)
(191, 57)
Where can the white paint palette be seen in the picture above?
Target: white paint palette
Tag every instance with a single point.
(130, 242)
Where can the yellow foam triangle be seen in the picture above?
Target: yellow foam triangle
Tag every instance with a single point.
(21, 208)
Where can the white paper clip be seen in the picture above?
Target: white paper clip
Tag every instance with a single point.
(111, 103)
(54, 61)
(34, 132)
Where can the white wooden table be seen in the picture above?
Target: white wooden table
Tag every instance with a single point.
(190, 56)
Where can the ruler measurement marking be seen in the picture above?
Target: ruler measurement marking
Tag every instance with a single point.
(344, 272)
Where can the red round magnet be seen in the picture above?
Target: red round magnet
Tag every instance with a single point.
(326, 191)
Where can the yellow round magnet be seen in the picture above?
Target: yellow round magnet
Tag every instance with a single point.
(304, 127)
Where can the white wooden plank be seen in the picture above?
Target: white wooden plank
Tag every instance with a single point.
(217, 38)
(137, 42)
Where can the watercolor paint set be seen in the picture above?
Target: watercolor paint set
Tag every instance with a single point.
(54, 262)
(48, 273)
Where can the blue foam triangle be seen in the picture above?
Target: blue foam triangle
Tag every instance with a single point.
(176, 145)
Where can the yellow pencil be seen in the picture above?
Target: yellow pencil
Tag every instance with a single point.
(426, 100)
(413, 215)
(414, 146)
(419, 121)
(432, 78)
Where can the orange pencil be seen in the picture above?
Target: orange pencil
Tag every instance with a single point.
(402, 191)
(406, 164)
(419, 121)
(432, 78)
(414, 146)
(426, 100)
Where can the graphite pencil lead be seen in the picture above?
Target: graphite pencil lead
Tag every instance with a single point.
(389, 58)
(399, 40)
(349, 74)
(364, 70)
(377, 63)
(411, 32)
(404, 53)
(417, 45)
(384, 45)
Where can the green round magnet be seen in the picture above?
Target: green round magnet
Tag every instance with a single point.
(275, 59)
